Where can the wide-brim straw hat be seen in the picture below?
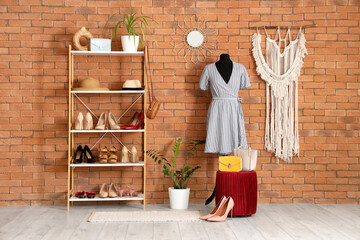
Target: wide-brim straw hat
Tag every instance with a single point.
(132, 85)
(90, 84)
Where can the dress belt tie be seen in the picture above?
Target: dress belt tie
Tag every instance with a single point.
(227, 98)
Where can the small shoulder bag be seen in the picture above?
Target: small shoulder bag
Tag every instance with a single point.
(154, 104)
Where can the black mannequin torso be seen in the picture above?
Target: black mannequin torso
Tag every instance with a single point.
(225, 67)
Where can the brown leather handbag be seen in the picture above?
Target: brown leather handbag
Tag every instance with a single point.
(154, 104)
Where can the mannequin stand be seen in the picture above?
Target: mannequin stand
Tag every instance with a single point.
(242, 187)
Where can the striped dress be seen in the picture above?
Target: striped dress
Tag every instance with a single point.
(225, 119)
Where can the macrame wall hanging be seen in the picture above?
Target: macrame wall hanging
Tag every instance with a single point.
(280, 71)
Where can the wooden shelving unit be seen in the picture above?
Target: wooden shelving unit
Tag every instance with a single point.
(71, 132)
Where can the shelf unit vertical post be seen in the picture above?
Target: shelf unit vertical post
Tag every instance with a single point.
(69, 130)
(72, 120)
(145, 120)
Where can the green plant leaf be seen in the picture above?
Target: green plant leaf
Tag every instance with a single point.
(179, 177)
(176, 147)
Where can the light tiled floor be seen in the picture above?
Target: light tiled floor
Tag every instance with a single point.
(272, 221)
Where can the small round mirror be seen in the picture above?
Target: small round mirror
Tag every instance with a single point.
(195, 39)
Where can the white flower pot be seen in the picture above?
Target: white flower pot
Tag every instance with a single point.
(128, 43)
(179, 198)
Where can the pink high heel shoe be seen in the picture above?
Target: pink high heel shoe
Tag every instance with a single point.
(132, 192)
(214, 211)
(223, 212)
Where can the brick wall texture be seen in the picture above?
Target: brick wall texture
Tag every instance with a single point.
(34, 40)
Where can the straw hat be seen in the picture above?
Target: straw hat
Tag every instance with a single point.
(90, 84)
(132, 85)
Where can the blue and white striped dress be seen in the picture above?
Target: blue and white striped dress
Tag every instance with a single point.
(225, 118)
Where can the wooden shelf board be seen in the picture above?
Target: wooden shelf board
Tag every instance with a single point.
(111, 53)
(140, 164)
(96, 199)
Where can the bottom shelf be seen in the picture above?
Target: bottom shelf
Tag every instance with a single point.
(96, 199)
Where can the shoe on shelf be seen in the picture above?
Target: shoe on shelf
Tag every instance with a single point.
(134, 155)
(112, 122)
(80, 194)
(88, 124)
(223, 212)
(103, 155)
(90, 194)
(139, 119)
(132, 121)
(112, 191)
(79, 122)
(104, 191)
(88, 155)
(122, 192)
(78, 156)
(112, 156)
(124, 155)
(101, 122)
(132, 192)
(214, 211)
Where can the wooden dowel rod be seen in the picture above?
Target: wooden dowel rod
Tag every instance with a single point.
(282, 27)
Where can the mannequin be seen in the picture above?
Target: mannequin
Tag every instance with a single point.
(225, 120)
(225, 67)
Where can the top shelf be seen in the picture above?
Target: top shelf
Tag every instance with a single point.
(103, 53)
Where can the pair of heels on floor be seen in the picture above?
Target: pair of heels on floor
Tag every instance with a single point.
(114, 190)
(221, 210)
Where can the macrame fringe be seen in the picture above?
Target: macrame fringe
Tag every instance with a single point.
(281, 129)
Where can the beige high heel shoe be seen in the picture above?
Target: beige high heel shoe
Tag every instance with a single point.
(104, 191)
(112, 191)
(214, 211)
(101, 122)
(113, 157)
(223, 212)
(88, 124)
(103, 156)
(124, 155)
(112, 122)
(79, 122)
(134, 155)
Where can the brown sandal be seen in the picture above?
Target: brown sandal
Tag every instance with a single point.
(113, 157)
(103, 155)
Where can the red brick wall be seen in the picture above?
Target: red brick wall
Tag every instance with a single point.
(35, 34)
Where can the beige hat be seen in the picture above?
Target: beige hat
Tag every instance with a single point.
(132, 85)
(90, 84)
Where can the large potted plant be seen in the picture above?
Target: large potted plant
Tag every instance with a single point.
(179, 193)
(133, 24)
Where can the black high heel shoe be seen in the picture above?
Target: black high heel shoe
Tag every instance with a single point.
(88, 155)
(78, 157)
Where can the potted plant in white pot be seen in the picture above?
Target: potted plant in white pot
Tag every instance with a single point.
(179, 193)
(133, 24)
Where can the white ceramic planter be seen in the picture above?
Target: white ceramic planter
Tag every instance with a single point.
(128, 43)
(179, 198)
